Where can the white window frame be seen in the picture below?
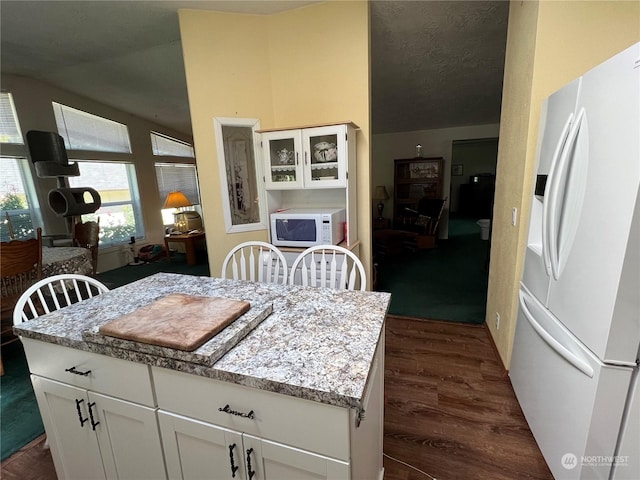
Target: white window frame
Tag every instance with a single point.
(157, 139)
(135, 203)
(167, 213)
(33, 209)
(9, 118)
(106, 135)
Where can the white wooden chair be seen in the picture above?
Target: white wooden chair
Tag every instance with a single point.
(328, 266)
(53, 293)
(257, 262)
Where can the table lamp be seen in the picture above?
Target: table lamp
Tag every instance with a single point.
(381, 195)
(177, 200)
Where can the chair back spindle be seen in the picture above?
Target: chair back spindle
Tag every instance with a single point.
(256, 262)
(328, 266)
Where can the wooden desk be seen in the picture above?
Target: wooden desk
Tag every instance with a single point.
(189, 241)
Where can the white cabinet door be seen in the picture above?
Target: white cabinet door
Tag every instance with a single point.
(94, 436)
(65, 414)
(306, 158)
(128, 437)
(282, 154)
(273, 461)
(325, 156)
(196, 450)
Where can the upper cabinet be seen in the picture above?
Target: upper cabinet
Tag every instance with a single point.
(313, 157)
(312, 166)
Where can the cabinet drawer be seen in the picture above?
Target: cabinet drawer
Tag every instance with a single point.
(289, 420)
(113, 376)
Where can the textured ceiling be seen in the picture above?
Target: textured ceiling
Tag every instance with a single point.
(434, 64)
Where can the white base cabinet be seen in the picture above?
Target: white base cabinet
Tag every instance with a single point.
(98, 412)
(94, 436)
(196, 450)
(107, 418)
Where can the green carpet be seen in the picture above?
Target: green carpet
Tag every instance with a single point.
(131, 273)
(445, 283)
(20, 420)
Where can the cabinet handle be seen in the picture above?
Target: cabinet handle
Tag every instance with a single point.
(94, 424)
(250, 472)
(234, 468)
(77, 372)
(305, 158)
(227, 409)
(297, 158)
(82, 420)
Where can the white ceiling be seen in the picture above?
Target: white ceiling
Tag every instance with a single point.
(434, 63)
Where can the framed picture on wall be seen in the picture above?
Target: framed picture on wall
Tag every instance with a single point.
(457, 170)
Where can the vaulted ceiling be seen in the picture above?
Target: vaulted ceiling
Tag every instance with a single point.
(434, 64)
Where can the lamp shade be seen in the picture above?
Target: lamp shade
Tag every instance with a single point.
(177, 200)
(380, 193)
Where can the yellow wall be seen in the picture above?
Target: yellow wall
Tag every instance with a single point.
(300, 67)
(549, 44)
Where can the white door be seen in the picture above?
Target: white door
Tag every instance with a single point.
(627, 466)
(325, 156)
(195, 450)
(573, 403)
(282, 155)
(73, 443)
(128, 437)
(556, 120)
(274, 461)
(594, 211)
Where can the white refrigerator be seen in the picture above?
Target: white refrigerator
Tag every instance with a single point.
(574, 366)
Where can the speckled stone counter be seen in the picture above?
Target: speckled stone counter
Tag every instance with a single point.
(317, 344)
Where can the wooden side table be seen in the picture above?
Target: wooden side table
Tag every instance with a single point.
(189, 241)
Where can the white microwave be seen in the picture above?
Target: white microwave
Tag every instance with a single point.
(306, 227)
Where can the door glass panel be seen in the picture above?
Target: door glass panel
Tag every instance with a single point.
(282, 159)
(324, 157)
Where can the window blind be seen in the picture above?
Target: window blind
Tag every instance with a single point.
(84, 131)
(178, 177)
(164, 145)
(9, 125)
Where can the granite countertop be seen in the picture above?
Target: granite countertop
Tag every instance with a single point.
(317, 344)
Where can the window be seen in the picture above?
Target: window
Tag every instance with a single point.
(9, 125)
(164, 145)
(18, 200)
(120, 215)
(84, 131)
(177, 176)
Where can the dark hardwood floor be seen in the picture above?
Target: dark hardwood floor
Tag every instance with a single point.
(450, 411)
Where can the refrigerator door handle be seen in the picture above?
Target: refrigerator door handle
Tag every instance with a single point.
(557, 344)
(567, 189)
(548, 193)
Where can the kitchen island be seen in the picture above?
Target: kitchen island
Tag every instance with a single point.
(300, 396)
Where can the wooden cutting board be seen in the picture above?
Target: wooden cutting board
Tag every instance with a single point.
(179, 321)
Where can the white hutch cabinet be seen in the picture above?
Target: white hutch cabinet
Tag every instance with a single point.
(312, 167)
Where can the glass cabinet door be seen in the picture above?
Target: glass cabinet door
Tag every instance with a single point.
(281, 152)
(325, 156)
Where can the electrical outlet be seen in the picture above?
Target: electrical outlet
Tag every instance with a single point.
(514, 216)
(497, 321)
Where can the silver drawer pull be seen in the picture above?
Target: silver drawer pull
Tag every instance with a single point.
(77, 372)
(227, 409)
